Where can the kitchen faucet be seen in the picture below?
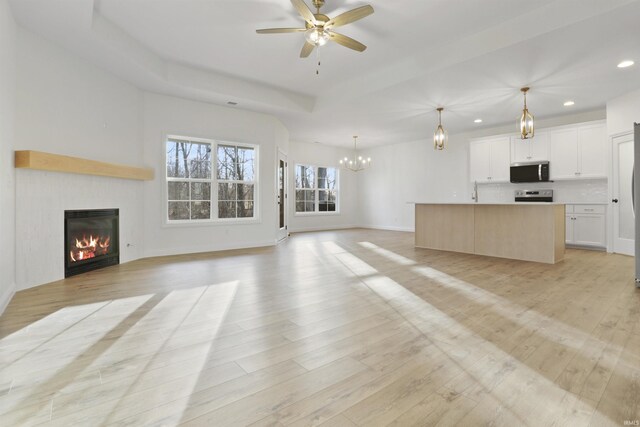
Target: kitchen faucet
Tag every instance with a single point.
(474, 195)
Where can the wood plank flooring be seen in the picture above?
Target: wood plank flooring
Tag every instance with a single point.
(346, 328)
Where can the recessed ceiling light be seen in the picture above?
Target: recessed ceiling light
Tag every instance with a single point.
(626, 63)
(569, 103)
(477, 121)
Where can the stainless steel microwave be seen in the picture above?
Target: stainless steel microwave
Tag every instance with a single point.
(529, 172)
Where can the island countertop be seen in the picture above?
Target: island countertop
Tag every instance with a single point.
(493, 203)
(529, 231)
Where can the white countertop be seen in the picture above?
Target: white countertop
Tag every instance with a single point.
(586, 203)
(487, 203)
(505, 203)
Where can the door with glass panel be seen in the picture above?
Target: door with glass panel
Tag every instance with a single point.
(281, 174)
(622, 201)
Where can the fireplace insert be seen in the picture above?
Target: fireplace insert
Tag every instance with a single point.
(91, 240)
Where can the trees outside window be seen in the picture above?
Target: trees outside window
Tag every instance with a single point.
(190, 180)
(316, 189)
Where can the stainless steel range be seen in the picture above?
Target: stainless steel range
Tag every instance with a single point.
(534, 195)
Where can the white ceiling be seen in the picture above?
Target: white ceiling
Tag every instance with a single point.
(469, 56)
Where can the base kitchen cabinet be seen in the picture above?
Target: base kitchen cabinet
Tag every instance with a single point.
(586, 226)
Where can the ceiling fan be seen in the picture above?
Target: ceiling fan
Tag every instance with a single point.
(319, 28)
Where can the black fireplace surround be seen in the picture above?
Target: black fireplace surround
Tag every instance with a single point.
(91, 240)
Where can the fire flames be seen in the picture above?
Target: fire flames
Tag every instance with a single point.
(91, 247)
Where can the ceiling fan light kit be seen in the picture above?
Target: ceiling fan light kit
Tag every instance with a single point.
(319, 27)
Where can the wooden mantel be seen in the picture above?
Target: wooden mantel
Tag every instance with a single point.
(38, 160)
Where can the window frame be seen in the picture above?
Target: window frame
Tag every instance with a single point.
(214, 181)
(316, 189)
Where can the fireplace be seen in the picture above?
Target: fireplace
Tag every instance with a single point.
(91, 240)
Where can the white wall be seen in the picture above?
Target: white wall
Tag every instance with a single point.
(165, 115)
(622, 112)
(8, 31)
(407, 172)
(323, 155)
(65, 105)
(414, 171)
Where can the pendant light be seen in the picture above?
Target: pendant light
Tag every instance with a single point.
(526, 120)
(358, 163)
(440, 136)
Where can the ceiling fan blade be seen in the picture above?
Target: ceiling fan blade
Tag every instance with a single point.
(280, 30)
(347, 42)
(304, 11)
(306, 49)
(350, 16)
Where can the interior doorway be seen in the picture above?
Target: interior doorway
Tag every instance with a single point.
(282, 177)
(622, 200)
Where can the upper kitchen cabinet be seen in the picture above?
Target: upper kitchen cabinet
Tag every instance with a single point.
(578, 152)
(530, 150)
(489, 159)
(592, 151)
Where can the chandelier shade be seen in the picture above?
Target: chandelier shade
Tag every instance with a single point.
(527, 128)
(358, 163)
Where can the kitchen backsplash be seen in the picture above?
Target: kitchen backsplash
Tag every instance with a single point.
(579, 191)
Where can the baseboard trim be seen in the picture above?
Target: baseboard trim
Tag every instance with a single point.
(6, 297)
(208, 248)
(388, 228)
(326, 228)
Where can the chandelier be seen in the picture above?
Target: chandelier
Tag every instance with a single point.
(358, 163)
(440, 136)
(526, 119)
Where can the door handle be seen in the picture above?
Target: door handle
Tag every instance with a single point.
(614, 200)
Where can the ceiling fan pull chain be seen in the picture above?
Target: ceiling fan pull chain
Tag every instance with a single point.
(318, 58)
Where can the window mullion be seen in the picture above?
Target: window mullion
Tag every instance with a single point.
(214, 182)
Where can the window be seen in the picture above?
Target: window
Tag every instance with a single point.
(235, 181)
(316, 189)
(196, 192)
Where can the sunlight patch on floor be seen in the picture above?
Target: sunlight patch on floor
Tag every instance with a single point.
(119, 352)
(391, 256)
(518, 394)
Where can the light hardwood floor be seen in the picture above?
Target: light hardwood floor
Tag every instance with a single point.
(355, 327)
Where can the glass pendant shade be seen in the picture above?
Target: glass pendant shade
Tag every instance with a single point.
(316, 36)
(527, 129)
(440, 136)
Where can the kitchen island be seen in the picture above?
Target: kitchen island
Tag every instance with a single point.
(523, 231)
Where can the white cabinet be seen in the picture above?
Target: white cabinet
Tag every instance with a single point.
(489, 159)
(592, 148)
(530, 150)
(563, 161)
(578, 152)
(586, 225)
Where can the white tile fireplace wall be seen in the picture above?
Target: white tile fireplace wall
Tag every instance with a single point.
(8, 32)
(74, 108)
(44, 196)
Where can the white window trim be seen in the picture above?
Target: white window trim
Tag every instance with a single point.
(256, 219)
(317, 212)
